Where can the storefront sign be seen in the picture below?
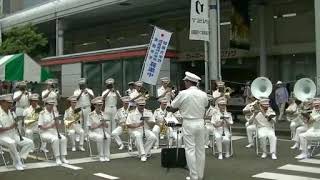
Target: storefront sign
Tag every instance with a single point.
(199, 20)
(199, 56)
(155, 56)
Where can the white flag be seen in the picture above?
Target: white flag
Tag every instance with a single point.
(155, 56)
(199, 20)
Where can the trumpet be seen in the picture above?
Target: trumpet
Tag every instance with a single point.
(228, 91)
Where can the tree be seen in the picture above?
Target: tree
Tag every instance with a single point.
(24, 39)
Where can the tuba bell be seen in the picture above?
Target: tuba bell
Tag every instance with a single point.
(261, 87)
(304, 89)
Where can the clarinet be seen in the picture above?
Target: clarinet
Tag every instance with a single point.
(56, 122)
(223, 119)
(16, 127)
(102, 121)
(142, 118)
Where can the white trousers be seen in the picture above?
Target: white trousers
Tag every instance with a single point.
(116, 135)
(110, 113)
(76, 129)
(143, 149)
(59, 146)
(209, 131)
(263, 134)
(299, 130)
(29, 134)
(173, 136)
(103, 145)
(281, 110)
(85, 111)
(293, 127)
(225, 140)
(194, 139)
(309, 135)
(156, 131)
(12, 142)
(251, 130)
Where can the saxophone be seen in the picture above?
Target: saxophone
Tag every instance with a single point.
(74, 118)
(33, 117)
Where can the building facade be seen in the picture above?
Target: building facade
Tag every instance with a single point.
(282, 33)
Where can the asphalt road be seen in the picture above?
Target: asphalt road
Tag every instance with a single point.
(242, 166)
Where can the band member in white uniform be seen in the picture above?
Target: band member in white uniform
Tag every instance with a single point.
(302, 121)
(209, 126)
(313, 133)
(120, 118)
(165, 91)
(139, 122)
(172, 131)
(131, 88)
(21, 97)
(219, 91)
(293, 116)
(221, 120)
(98, 130)
(248, 112)
(84, 97)
(51, 92)
(31, 116)
(159, 115)
(73, 122)
(49, 131)
(191, 104)
(9, 136)
(265, 119)
(110, 97)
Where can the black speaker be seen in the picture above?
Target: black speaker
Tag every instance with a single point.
(173, 158)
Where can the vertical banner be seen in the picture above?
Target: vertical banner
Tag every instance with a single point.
(240, 24)
(199, 20)
(155, 56)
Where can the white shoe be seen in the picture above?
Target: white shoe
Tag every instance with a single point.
(64, 160)
(58, 161)
(188, 178)
(249, 145)
(227, 155)
(206, 146)
(106, 159)
(121, 147)
(101, 159)
(73, 149)
(220, 156)
(19, 167)
(273, 156)
(143, 158)
(264, 155)
(301, 156)
(81, 148)
(295, 146)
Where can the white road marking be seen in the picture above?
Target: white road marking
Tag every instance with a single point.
(71, 166)
(72, 161)
(106, 176)
(312, 161)
(278, 176)
(299, 168)
(237, 137)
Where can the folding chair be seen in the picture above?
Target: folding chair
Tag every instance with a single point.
(213, 143)
(2, 156)
(314, 144)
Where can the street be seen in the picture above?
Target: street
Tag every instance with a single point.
(244, 165)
